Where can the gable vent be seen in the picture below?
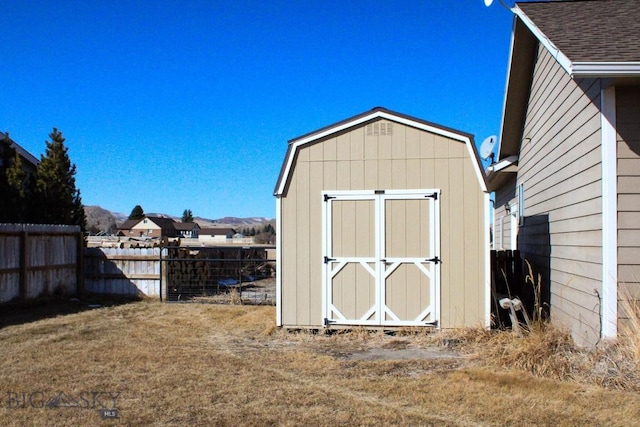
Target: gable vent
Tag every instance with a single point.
(380, 128)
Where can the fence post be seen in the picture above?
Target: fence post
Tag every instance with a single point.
(24, 260)
(240, 269)
(80, 263)
(160, 275)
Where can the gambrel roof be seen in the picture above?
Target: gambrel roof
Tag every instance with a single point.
(369, 116)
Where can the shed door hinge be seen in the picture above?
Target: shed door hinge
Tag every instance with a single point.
(434, 196)
(327, 322)
(434, 323)
(327, 259)
(328, 197)
(435, 260)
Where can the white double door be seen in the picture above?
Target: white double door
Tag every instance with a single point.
(381, 257)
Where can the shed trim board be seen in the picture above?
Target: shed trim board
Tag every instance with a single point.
(487, 261)
(609, 214)
(278, 261)
(381, 266)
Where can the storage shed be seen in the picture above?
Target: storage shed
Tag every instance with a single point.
(383, 221)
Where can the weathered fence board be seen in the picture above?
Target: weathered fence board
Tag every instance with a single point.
(128, 271)
(39, 260)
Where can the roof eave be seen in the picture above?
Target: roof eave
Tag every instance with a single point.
(562, 59)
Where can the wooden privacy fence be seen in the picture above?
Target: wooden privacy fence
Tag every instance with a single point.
(506, 281)
(182, 273)
(123, 271)
(39, 260)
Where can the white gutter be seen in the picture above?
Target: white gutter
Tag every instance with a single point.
(605, 69)
(502, 164)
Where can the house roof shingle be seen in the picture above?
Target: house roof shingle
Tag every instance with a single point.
(185, 226)
(217, 231)
(589, 30)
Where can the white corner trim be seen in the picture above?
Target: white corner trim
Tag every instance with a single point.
(278, 261)
(324, 312)
(487, 260)
(546, 42)
(609, 214)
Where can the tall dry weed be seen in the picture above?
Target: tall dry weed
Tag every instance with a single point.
(536, 285)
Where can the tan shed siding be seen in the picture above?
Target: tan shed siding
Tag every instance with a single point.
(560, 167)
(408, 159)
(628, 153)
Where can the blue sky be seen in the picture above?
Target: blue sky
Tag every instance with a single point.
(177, 105)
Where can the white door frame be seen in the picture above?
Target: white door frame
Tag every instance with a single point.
(380, 272)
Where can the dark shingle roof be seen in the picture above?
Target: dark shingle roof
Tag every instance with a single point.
(590, 30)
(217, 231)
(163, 222)
(185, 226)
(128, 224)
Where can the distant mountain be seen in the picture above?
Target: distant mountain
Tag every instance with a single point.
(100, 220)
(243, 222)
(103, 220)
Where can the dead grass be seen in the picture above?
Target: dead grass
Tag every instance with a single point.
(205, 364)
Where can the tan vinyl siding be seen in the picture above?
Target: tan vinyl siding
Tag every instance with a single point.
(410, 158)
(628, 154)
(560, 167)
(502, 229)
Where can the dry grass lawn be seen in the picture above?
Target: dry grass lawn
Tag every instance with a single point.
(204, 364)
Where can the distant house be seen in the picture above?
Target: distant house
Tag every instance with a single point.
(216, 235)
(149, 226)
(29, 161)
(567, 178)
(188, 230)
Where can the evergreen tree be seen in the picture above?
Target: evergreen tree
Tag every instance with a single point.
(16, 185)
(187, 216)
(8, 192)
(137, 212)
(20, 190)
(57, 200)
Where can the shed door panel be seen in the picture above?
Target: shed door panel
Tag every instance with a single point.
(409, 260)
(381, 266)
(352, 288)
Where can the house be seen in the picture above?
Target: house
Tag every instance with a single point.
(29, 161)
(188, 230)
(149, 226)
(567, 178)
(216, 234)
(383, 221)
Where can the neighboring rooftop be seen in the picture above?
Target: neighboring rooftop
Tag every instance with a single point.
(589, 30)
(24, 153)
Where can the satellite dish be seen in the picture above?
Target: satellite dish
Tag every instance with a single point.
(488, 2)
(486, 148)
